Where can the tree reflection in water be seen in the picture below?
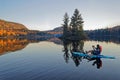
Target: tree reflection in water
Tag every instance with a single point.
(11, 45)
(77, 46)
(15, 44)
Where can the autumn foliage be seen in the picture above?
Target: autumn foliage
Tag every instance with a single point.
(12, 29)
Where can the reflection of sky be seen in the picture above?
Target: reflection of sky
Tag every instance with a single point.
(47, 14)
(43, 46)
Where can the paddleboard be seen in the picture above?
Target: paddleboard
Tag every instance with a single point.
(92, 56)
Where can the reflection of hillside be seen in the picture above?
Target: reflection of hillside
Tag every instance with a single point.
(101, 39)
(15, 44)
(106, 39)
(10, 45)
(55, 40)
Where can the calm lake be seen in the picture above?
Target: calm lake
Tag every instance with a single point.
(45, 60)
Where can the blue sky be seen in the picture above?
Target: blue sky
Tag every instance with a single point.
(48, 14)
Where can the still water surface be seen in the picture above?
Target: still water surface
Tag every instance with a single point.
(46, 61)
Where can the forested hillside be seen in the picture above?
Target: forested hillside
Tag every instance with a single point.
(111, 32)
(12, 29)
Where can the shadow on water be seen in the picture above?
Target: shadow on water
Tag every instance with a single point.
(77, 46)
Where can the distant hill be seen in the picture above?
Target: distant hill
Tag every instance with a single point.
(57, 30)
(113, 32)
(116, 27)
(12, 29)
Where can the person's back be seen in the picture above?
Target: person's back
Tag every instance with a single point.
(100, 48)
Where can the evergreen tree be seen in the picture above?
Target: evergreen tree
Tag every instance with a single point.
(77, 24)
(65, 25)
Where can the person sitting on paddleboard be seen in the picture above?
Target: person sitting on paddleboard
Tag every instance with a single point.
(97, 50)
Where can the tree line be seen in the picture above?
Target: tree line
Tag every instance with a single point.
(107, 32)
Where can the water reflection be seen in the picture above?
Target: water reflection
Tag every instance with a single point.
(107, 39)
(11, 45)
(15, 44)
(97, 62)
(66, 49)
(41, 61)
(77, 46)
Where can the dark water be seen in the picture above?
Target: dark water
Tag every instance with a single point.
(46, 60)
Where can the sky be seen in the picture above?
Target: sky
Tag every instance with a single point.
(48, 14)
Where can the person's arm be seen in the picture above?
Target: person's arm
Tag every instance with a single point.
(93, 47)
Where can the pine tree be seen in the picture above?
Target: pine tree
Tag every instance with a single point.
(65, 25)
(77, 24)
